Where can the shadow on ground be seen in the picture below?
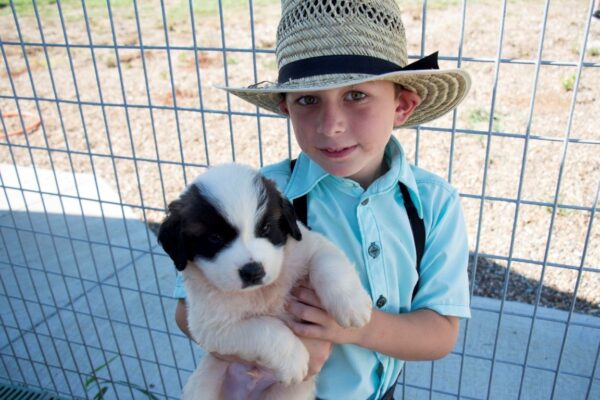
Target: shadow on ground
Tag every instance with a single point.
(490, 279)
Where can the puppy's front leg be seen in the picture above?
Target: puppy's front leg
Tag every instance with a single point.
(337, 284)
(269, 342)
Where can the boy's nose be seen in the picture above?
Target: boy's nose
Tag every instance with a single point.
(331, 120)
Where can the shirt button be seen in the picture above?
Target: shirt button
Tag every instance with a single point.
(374, 250)
(381, 301)
(365, 202)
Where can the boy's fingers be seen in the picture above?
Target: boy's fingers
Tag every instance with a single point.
(307, 296)
(308, 313)
(306, 330)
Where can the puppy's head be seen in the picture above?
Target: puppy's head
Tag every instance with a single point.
(231, 224)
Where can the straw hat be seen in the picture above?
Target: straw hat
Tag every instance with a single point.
(324, 44)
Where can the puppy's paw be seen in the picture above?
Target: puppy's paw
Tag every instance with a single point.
(350, 308)
(292, 365)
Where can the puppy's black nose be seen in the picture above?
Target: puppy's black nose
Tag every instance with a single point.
(252, 274)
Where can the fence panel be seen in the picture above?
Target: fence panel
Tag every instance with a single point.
(109, 108)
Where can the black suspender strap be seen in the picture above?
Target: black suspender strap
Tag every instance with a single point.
(300, 204)
(418, 230)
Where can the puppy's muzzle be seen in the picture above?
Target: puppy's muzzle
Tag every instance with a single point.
(252, 274)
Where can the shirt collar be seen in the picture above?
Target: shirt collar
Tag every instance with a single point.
(307, 174)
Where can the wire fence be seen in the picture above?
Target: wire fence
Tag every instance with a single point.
(108, 109)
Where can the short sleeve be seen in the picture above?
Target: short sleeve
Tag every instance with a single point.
(179, 291)
(443, 281)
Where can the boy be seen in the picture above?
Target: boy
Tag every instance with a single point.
(345, 84)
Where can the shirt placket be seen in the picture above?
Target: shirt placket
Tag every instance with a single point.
(372, 252)
(374, 265)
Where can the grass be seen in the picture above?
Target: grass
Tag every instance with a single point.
(25, 7)
(443, 4)
(179, 11)
(176, 10)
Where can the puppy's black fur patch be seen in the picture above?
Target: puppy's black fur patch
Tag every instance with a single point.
(279, 218)
(194, 227)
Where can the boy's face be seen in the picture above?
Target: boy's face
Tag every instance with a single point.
(345, 130)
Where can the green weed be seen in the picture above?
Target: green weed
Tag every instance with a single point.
(94, 382)
(480, 116)
(560, 211)
(594, 52)
(110, 61)
(568, 82)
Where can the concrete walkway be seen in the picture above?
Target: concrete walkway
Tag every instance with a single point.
(83, 280)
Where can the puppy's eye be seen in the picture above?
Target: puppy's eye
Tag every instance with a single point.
(215, 238)
(265, 229)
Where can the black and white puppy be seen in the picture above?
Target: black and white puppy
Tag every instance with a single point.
(240, 249)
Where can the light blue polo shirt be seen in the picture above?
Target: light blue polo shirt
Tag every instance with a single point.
(371, 226)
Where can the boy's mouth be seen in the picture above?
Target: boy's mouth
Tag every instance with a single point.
(337, 152)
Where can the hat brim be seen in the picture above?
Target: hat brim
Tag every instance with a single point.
(440, 90)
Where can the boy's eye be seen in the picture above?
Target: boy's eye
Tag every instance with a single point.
(355, 95)
(307, 100)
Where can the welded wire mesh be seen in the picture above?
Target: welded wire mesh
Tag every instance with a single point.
(108, 109)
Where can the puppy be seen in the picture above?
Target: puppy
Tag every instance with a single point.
(236, 241)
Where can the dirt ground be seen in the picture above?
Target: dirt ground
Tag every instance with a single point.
(525, 138)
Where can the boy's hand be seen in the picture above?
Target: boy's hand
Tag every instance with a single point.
(319, 351)
(313, 320)
(246, 382)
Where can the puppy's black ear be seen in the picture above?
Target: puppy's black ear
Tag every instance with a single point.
(287, 221)
(170, 236)
(290, 222)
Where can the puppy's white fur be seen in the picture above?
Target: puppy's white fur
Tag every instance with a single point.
(227, 317)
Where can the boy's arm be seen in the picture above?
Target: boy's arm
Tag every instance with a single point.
(419, 335)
